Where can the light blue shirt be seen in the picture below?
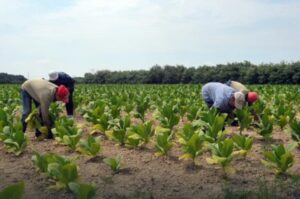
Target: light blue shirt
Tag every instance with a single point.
(218, 95)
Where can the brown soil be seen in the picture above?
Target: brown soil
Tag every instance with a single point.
(144, 175)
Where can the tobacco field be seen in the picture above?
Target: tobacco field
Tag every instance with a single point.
(152, 141)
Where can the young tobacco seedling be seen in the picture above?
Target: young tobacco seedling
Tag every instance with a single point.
(185, 133)
(191, 142)
(14, 191)
(243, 143)
(266, 127)
(167, 116)
(56, 167)
(209, 116)
(113, 163)
(17, 141)
(66, 132)
(90, 146)
(63, 173)
(295, 131)
(71, 140)
(64, 126)
(192, 112)
(279, 158)
(118, 132)
(95, 111)
(41, 161)
(102, 124)
(222, 154)
(4, 121)
(54, 110)
(6, 133)
(142, 104)
(244, 118)
(83, 191)
(163, 141)
(140, 133)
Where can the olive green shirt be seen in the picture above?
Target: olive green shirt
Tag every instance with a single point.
(239, 87)
(44, 93)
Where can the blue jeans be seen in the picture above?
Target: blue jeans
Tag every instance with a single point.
(26, 102)
(70, 104)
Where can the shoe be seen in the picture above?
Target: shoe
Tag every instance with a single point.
(50, 135)
(235, 123)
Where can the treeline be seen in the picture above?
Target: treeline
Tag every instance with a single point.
(246, 72)
(11, 79)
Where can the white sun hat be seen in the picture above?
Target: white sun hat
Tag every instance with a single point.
(239, 100)
(53, 76)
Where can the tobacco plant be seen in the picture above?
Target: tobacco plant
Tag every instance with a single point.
(163, 141)
(142, 104)
(266, 126)
(90, 146)
(56, 167)
(167, 116)
(118, 129)
(279, 158)
(295, 131)
(192, 112)
(14, 191)
(192, 142)
(244, 118)
(15, 140)
(83, 191)
(4, 120)
(140, 133)
(243, 144)
(66, 132)
(113, 163)
(222, 154)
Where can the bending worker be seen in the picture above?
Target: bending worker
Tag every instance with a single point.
(61, 78)
(42, 93)
(251, 96)
(222, 97)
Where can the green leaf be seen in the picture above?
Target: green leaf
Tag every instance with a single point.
(14, 191)
(91, 146)
(83, 191)
(113, 163)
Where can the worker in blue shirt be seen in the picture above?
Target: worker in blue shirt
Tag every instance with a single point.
(222, 97)
(61, 78)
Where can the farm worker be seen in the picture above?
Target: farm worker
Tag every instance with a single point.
(42, 93)
(61, 78)
(222, 97)
(251, 96)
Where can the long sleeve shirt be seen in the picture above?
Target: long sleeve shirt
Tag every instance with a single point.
(64, 79)
(44, 93)
(218, 95)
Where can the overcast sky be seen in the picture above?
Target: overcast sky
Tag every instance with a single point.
(79, 36)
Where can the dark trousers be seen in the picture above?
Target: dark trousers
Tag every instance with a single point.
(70, 104)
(26, 102)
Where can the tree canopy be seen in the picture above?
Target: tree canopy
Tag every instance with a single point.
(11, 79)
(246, 72)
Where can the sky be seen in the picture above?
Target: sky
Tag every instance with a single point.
(80, 36)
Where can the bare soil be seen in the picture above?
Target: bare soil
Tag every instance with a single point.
(144, 175)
